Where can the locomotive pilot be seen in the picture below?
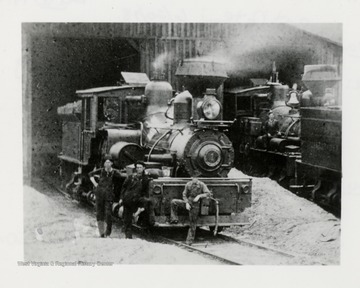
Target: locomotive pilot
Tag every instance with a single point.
(193, 192)
(135, 199)
(104, 192)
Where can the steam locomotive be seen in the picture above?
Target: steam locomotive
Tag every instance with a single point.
(178, 136)
(291, 135)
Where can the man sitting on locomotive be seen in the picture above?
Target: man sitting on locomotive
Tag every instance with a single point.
(272, 125)
(104, 192)
(135, 199)
(193, 192)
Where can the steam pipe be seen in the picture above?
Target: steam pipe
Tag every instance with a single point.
(161, 158)
(167, 110)
(216, 215)
(156, 142)
(126, 135)
(94, 113)
(293, 138)
(135, 98)
(290, 126)
(141, 134)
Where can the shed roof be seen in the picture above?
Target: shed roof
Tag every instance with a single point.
(331, 32)
(112, 91)
(101, 89)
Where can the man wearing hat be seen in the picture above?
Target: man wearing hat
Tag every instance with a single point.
(134, 196)
(104, 192)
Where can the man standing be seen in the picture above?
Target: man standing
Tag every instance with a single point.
(134, 196)
(193, 192)
(104, 192)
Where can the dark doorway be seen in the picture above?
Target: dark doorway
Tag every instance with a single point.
(54, 68)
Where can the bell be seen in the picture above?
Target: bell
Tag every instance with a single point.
(293, 101)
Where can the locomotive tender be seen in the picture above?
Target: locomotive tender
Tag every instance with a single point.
(143, 121)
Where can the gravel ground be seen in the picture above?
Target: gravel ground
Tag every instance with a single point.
(284, 221)
(56, 229)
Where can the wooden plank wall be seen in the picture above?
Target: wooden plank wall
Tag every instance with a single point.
(177, 41)
(186, 40)
(168, 43)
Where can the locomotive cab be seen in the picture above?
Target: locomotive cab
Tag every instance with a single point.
(100, 108)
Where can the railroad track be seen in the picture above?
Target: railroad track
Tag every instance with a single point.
(228, 250)
(200, 251)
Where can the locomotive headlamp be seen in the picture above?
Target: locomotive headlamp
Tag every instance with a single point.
(210, 109)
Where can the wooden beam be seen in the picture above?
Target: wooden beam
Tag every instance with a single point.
(134, 44)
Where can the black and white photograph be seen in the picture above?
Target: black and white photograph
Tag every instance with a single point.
(197, 143)
(196, 133)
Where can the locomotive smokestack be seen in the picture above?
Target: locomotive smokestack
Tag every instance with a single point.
(198, 74)
(319, 78)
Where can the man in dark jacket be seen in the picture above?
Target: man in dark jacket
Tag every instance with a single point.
(193, 192)
(104, 192)
(134, 197)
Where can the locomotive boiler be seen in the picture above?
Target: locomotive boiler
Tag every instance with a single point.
(144, 120)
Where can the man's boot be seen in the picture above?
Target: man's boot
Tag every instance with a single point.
(101, 227)
(173, 213)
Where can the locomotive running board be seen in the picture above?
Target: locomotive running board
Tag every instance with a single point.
(209, 220)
